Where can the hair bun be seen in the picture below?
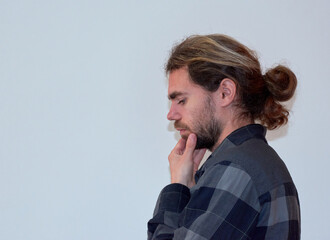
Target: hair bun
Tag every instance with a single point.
(281, 82)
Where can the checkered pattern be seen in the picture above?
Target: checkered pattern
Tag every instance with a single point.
(243, 191)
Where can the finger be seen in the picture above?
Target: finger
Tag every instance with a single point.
(190, 145)
(180, 146)
(199, 153)
(198, 156)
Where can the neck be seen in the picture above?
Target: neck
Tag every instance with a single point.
(230, 127)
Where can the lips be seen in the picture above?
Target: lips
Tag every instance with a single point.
(183, 132)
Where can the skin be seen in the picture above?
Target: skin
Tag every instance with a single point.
(191, 113)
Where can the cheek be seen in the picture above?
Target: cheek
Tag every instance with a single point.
(199, 117)
(192, 121)
(193, 114)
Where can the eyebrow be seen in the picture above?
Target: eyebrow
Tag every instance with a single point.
(175, 94)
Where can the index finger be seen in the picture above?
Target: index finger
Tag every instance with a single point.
(180, 146)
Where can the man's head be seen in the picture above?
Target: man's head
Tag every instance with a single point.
(224, 76)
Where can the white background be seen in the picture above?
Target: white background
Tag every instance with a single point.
(84, 138)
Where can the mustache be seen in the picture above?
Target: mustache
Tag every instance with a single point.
(180, 125)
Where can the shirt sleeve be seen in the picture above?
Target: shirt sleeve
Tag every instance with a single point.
(222, 205)
(171, 202)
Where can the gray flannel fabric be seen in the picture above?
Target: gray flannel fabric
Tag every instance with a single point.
(243, 191)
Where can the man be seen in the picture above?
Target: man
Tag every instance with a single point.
(243, 190)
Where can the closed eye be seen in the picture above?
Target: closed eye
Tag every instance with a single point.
(182, 101)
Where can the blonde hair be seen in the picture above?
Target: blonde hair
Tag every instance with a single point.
(211, 58)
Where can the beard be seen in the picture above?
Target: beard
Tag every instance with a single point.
(206, 127)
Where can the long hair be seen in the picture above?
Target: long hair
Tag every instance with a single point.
(211, 58)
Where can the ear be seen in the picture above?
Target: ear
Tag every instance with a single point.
(226, 92)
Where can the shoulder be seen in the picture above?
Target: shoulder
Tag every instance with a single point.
(256, 159)
(227, 180)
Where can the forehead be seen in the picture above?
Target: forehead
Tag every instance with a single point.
(179, 82)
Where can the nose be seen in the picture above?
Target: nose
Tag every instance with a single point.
(173, 114)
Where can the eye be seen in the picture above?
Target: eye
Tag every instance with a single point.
(182, 101)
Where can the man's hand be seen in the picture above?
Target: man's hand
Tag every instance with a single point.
(184, 161)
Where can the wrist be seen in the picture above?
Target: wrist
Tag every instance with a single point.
(182, 181)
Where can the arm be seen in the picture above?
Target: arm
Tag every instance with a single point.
(171, 202)
(222, 205)
(184, 161)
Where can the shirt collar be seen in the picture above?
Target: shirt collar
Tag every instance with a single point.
(236, 138)
(241, 135)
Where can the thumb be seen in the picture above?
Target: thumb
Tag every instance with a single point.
(191, 144)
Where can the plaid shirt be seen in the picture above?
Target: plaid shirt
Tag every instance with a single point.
(243, 191)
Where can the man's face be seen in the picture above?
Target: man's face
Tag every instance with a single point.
(192, 109)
